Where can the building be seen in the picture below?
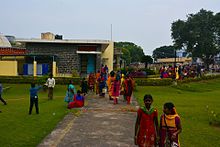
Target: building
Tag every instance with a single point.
(11, 58)
(62, 56)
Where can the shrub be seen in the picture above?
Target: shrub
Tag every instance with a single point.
(153, 82)
(75, 73)
(148, 71)
(38, 80)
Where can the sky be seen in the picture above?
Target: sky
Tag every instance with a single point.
(146, 23)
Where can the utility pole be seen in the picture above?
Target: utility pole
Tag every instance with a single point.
(111, 32)
(174, 57)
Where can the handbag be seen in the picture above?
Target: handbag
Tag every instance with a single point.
(104, 90)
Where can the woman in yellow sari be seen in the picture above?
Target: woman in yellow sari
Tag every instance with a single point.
(170, 127)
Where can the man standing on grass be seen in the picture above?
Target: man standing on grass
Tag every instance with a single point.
(50, 84)
(1, 90)
(34, 97)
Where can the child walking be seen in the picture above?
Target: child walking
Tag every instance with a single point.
(34, 97)
(146, 127)
(170, 126)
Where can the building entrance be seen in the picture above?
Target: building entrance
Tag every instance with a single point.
(88, 64)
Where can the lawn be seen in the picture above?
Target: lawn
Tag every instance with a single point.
(191, 101)
(19, 129)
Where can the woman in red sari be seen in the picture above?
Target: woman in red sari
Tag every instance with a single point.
(170, 126)
(78, 101)
(146, 127)
(129, 86)
(115, 89)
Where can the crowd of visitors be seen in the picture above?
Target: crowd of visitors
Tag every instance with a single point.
(181, 71)
(113, 83)
(148, 132)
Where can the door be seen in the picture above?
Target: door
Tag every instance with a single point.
(90, 64)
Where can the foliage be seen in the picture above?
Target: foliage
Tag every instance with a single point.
(148, 71)
(138, 74)
(164, 52)
(38, 80)
(75, 73)
(153, 82)
(199, 35)
(147, 60)
(169, 82)
(126, 55)
(135, 51)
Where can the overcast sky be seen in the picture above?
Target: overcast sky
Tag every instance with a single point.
(146, 23)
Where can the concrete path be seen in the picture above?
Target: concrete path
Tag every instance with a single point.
(100, 124)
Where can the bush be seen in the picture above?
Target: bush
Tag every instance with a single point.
(148, 71)
(75, 73)
(138, 74)
(37, 80)
(153, 82)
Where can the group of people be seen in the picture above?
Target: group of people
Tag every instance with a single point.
(113, 83)
(74, 100)
(50, 83)
(149, 133)
(181, 71)
(120, 84)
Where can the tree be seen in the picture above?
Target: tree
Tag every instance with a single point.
(147, 60)
(198, 35)
(164, 52)
(135, 51)
(126, 55)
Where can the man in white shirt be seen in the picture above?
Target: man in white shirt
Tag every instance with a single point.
(50, 84)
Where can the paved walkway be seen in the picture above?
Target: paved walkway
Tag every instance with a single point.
(100, 124)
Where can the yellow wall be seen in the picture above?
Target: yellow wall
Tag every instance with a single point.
(35, 68)
(8, 68)
(54, 69)
(108, 55)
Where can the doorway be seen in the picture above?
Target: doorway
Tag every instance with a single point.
(88, 63)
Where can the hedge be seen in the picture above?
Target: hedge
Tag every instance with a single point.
(37, 80)
(169, 81)
(76, 80)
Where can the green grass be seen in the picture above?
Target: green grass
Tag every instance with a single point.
(17, 128)
(191, 101)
